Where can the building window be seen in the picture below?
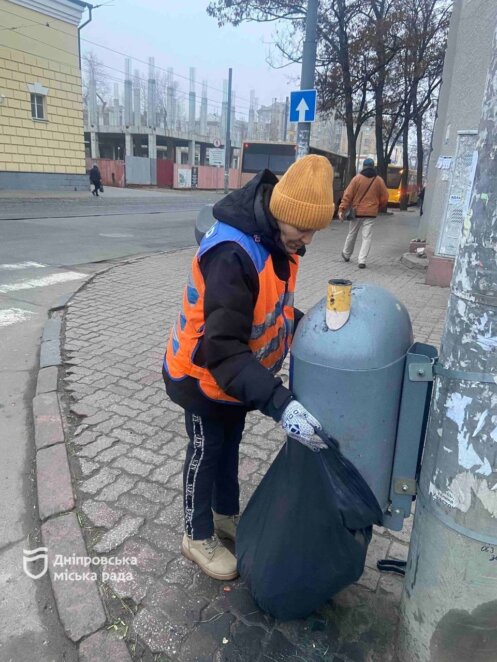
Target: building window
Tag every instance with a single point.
(38, 101)
(37, 107)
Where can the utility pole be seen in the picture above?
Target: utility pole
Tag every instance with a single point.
(227, 142)
(449, 604)
(307, 74)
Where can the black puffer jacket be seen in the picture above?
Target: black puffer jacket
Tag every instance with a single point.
(95, 176)
(231, 290)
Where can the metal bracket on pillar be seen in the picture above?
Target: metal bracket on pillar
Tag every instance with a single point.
(421, 372)
(413, 416)
(405, 486)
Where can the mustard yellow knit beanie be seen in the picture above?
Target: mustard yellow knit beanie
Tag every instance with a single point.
(304, 195)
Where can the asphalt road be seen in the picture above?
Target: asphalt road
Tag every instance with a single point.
(49, 243)
(78, 228)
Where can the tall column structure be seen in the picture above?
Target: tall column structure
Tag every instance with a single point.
(203, 109)
(128, 144)
(191, 118)
(93, 115)
(224, 109)
(251, 117)
(137, 102)
(151, 97)
(116, 111)
(128, 94)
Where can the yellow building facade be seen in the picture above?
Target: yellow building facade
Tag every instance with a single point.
(41, 107)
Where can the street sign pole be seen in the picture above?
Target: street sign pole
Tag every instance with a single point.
(307, 75)
(227, 145)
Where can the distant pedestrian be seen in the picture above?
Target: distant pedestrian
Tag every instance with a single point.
(421, 198)
(95, 179)
(363, 198)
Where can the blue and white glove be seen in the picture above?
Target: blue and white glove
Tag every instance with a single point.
(299, 424)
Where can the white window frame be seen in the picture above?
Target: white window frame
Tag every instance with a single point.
(37, 91)
(37, 102)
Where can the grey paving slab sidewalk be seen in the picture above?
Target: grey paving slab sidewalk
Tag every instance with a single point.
(126, 442)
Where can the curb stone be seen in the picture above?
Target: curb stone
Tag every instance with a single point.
(412, 261)
(79, 603)
(47, 420)
(54, 497)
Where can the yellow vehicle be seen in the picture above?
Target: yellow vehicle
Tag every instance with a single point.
(394, 185)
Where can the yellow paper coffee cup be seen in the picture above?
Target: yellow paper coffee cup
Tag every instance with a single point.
(338, 303)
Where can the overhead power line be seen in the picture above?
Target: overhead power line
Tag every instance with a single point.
(213, 102)
(116, 52)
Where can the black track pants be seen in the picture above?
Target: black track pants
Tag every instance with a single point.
(210, 474)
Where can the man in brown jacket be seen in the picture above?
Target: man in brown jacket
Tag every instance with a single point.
(365, 194)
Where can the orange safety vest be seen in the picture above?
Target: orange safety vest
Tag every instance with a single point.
(273, 320)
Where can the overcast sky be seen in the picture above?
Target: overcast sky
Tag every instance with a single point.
(180, 34)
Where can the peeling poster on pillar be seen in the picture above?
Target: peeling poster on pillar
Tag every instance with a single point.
(459, 192)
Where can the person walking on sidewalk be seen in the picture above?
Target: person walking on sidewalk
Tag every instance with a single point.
(363, 198)
(95, 179)
(231, 338)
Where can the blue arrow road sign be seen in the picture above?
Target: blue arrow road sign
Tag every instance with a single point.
(303, 106)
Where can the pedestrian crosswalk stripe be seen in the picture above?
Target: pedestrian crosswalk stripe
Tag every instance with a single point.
(52, 279)
(22, 265)
(13, 315)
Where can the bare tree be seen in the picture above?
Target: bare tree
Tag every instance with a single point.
(422, 28)
(343, 74)
(378, 59)
(343, 81)
(93, 66)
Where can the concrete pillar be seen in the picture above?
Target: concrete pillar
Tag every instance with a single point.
(92, 101)
(191, 117)
(151, 97)
(128, 95)
(94, 146)
(137, 100)
(251, 120)
(169, 100)
(171, 151)
(203, 110)
(224, 110)
(116, 121)
(128, 140)
(152, 146)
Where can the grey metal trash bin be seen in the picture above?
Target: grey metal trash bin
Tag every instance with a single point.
(352, 380)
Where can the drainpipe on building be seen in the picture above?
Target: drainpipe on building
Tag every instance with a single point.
(90, 9)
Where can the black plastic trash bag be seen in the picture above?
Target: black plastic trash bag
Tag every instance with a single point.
(305, 532)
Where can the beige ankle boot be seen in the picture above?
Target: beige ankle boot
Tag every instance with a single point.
(211, 557)
(225, 526)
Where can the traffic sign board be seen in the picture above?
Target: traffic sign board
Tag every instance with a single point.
(303, 106)
(216, 157)
(216, 142)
